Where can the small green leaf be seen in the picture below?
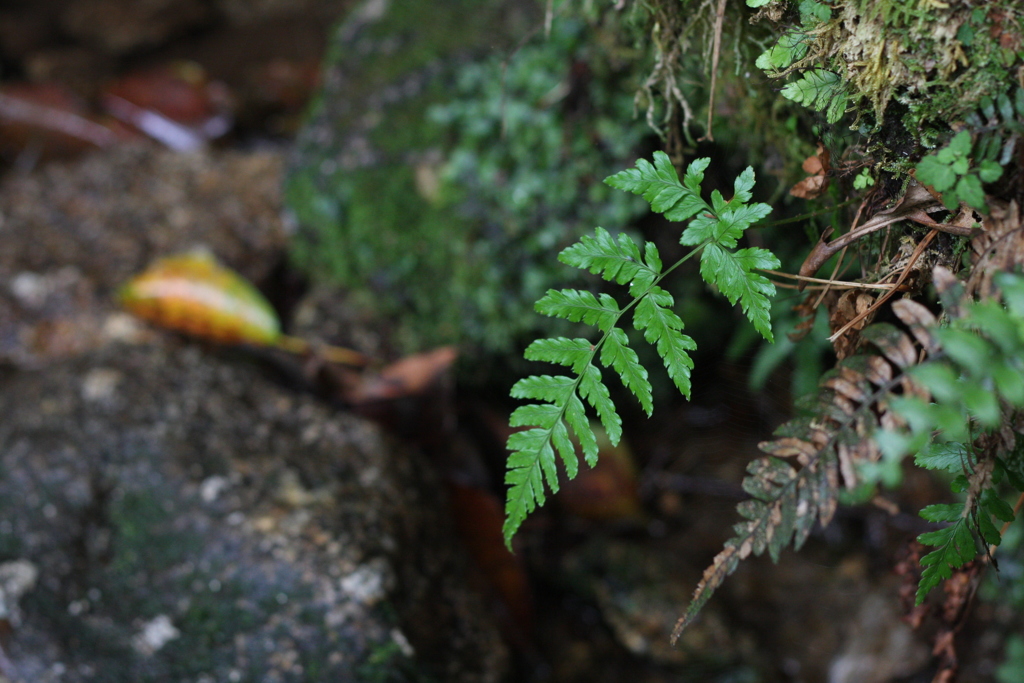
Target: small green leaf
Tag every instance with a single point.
(742, 187)
(968, 189)
(1010, 382)
(939, 379)
(814, 12)
(819, 90)
(659, 184)
(965, 347)
(961, 143)
(542, 415)
(982, 403)
(863, 180)
(731, 272)
(563, 444)
(616, 260)
(576, 416)
(931, 171)
(1005, 107)
(593, 390)
(996, 506)
(989, 171)
(575, 353)
(950, 457)
(988, 531)
(943, 512)
(543, 387)
(662, 328)
(789, 48)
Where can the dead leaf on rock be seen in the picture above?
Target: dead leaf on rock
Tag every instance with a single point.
(413, 397)
(409, 376)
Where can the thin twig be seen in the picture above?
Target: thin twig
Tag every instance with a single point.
(837, 283)
(804, 216)
(51, 118)
(332, 354)
(715, 53)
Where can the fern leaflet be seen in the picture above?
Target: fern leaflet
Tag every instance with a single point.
(714, 233)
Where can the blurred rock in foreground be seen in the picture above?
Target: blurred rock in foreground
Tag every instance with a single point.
(188, 518)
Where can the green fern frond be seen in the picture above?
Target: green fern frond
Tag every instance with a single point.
(716, 227)
(956, 547)
(820, 90)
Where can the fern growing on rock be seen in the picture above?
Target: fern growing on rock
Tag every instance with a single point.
(714, 231)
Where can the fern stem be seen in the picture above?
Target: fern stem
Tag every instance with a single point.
(803, 216)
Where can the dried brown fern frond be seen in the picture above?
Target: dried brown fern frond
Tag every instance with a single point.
(998, 248)
(797, 485)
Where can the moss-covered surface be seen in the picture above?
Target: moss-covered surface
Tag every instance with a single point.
(452, 154)
(907, 72)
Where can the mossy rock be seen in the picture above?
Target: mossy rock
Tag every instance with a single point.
(192, 520)
(454, 150)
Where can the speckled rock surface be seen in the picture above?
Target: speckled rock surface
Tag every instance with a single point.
(190, 518)
(159, 484)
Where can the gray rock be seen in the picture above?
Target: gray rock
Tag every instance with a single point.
(190, 519)
(194, 519)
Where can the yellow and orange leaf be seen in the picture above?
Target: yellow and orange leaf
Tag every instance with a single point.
(192, 293)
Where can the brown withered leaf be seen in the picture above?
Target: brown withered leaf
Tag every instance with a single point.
(918, 319)
(413, 397)
(852, 402)
(405, 377)
(846, 388)
(810, 187)
(815, 185)
(894, 344)
(818, 163)
(999, 247)
(812, 456)
(850, 304)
